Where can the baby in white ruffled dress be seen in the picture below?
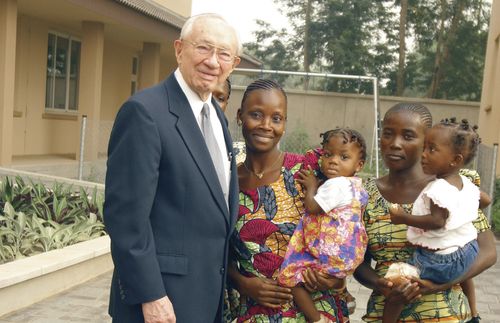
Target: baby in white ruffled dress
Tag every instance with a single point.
(440, 224)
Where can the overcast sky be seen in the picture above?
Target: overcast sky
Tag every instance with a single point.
(242, 14)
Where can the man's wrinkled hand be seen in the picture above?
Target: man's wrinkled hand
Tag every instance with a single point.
(158, 311)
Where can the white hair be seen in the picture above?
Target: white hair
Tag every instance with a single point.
(188, 27)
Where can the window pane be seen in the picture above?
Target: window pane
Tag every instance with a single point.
(74, 75)
(61, 70)
(49, 85)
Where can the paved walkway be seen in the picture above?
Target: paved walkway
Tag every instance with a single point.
(88, 302)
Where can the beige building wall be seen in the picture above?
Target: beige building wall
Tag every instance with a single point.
(116, 77)
(180, 7)
(489, 113)
(168, 63)
(8, 27)
(61, 136)
(116, 86)
(35, 131)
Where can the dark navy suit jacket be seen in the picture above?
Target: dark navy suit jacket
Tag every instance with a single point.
(164, 208)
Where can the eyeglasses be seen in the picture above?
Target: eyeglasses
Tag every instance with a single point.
(204, 49)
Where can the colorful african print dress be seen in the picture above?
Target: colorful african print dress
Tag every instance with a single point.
(267, 219)
(333, 243)
(387, 243)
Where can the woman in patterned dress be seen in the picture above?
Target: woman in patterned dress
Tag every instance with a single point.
(270, 208)
(401, 144)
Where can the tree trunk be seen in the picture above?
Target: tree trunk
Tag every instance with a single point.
(431, 92)
(307, 47)
(400, 79)
(442, 49)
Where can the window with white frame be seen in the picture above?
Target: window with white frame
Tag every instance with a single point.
(63, 72)
(135, 69)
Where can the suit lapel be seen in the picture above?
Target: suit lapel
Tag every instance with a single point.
(191, 135)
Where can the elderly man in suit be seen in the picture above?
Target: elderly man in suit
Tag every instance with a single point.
(171, 186)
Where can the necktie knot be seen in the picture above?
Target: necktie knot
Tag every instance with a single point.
(205, 111)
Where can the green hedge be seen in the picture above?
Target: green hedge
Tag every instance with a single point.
(495, 208)
(35, 219)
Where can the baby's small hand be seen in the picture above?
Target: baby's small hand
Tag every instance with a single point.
(397, 213)
(394, 207)
(307, 178)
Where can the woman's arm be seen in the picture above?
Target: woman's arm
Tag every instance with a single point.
(486, 258)
(368, 277)
(316, 281)
(395, 296)
(397, 300)
(264, 291)
(484, 200)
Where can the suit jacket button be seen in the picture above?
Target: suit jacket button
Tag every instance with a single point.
(222, 270)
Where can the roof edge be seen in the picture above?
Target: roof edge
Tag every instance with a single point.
(155, 11)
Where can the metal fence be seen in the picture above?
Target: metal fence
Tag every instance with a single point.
(485, 164)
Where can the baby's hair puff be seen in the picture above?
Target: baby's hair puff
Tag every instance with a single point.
(349, 135)
(464, 137)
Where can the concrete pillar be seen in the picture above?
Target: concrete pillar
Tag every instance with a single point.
(91, 84)
(150, 65)
(8, 32)
(489, 112)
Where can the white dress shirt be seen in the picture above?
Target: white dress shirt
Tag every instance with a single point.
(197, 105)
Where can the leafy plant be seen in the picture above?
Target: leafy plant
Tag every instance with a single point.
(12, 233)
(36, 219)
(495, 208)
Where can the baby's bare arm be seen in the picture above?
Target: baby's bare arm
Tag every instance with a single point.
(435, 220)
(310, 184)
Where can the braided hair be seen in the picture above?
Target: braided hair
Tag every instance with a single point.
(262, 84)
(349, 135)
(417, 108)
(228, 83)
(464, 137)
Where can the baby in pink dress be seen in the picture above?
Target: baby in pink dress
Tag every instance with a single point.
(330, 238)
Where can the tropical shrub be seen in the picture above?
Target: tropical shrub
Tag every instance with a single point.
(495, 208)
(35, 219)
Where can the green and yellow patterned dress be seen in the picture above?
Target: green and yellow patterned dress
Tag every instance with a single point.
(387, 243)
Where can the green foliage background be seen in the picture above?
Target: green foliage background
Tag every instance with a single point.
(445, 44)
(495, 209)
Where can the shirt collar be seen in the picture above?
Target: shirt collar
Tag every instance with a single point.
(193, 98)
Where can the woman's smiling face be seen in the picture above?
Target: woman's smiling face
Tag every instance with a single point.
(263, 119)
